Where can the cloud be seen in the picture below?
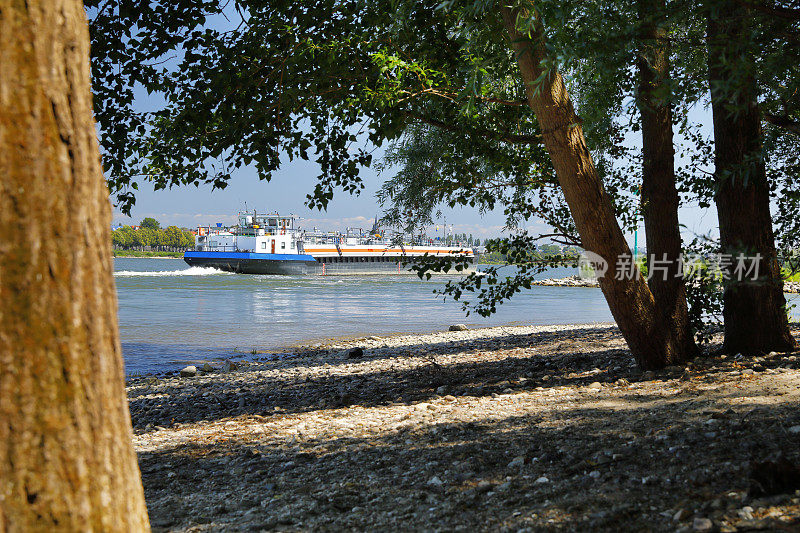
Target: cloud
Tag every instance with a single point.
(334, 224)
(192, 220)
(495, 230)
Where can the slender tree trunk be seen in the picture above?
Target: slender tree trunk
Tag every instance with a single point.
(66, 458)
(652, 342)
(659, 193)
(754, 310)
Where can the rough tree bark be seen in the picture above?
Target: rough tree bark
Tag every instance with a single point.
(652, 342)
(66, 457)
(659, 192)
(754, 311)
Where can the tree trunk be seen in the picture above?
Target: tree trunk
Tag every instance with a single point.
(66, 458)
(652, 342)
(659, 193)
(754, 310)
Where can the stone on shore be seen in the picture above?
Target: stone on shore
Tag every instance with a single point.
(517, 462)
(702, 524)
(458, 327)
(356, 353)
(189, 372)
(435, 481)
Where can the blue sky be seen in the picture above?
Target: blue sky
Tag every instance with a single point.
(286, 193)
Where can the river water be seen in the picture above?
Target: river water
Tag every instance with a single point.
(171, 315)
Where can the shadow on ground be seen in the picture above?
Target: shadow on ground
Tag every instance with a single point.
(605, 469)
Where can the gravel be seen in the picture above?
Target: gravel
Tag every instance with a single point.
(521, 428)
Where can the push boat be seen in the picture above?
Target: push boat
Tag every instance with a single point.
(273, 244)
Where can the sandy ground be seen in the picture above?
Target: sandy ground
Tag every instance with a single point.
(508, 429)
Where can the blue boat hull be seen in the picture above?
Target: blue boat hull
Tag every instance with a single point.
(293, 264)
(254, 263)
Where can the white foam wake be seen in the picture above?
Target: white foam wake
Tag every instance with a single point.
(191, 271)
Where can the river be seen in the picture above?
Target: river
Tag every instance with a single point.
(171, 315)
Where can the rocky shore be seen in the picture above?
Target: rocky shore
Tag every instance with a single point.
(577, 281)
(569, 281)
(508, 429)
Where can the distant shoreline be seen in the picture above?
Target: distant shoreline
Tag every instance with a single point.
(148, 255)
(789, 287)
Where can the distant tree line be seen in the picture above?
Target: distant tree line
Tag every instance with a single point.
(462, 238)
(545, 251)
(151, 236)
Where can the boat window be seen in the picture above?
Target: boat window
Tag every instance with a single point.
(283, 245)
(263, 245)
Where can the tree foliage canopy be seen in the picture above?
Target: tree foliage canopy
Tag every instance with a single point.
(255, 82)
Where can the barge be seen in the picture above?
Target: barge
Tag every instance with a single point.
(273, 244)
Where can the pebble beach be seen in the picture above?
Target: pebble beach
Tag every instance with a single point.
(790, 287)
(524, 428)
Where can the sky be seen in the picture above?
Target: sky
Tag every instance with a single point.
(286, 193)
(190, 206)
